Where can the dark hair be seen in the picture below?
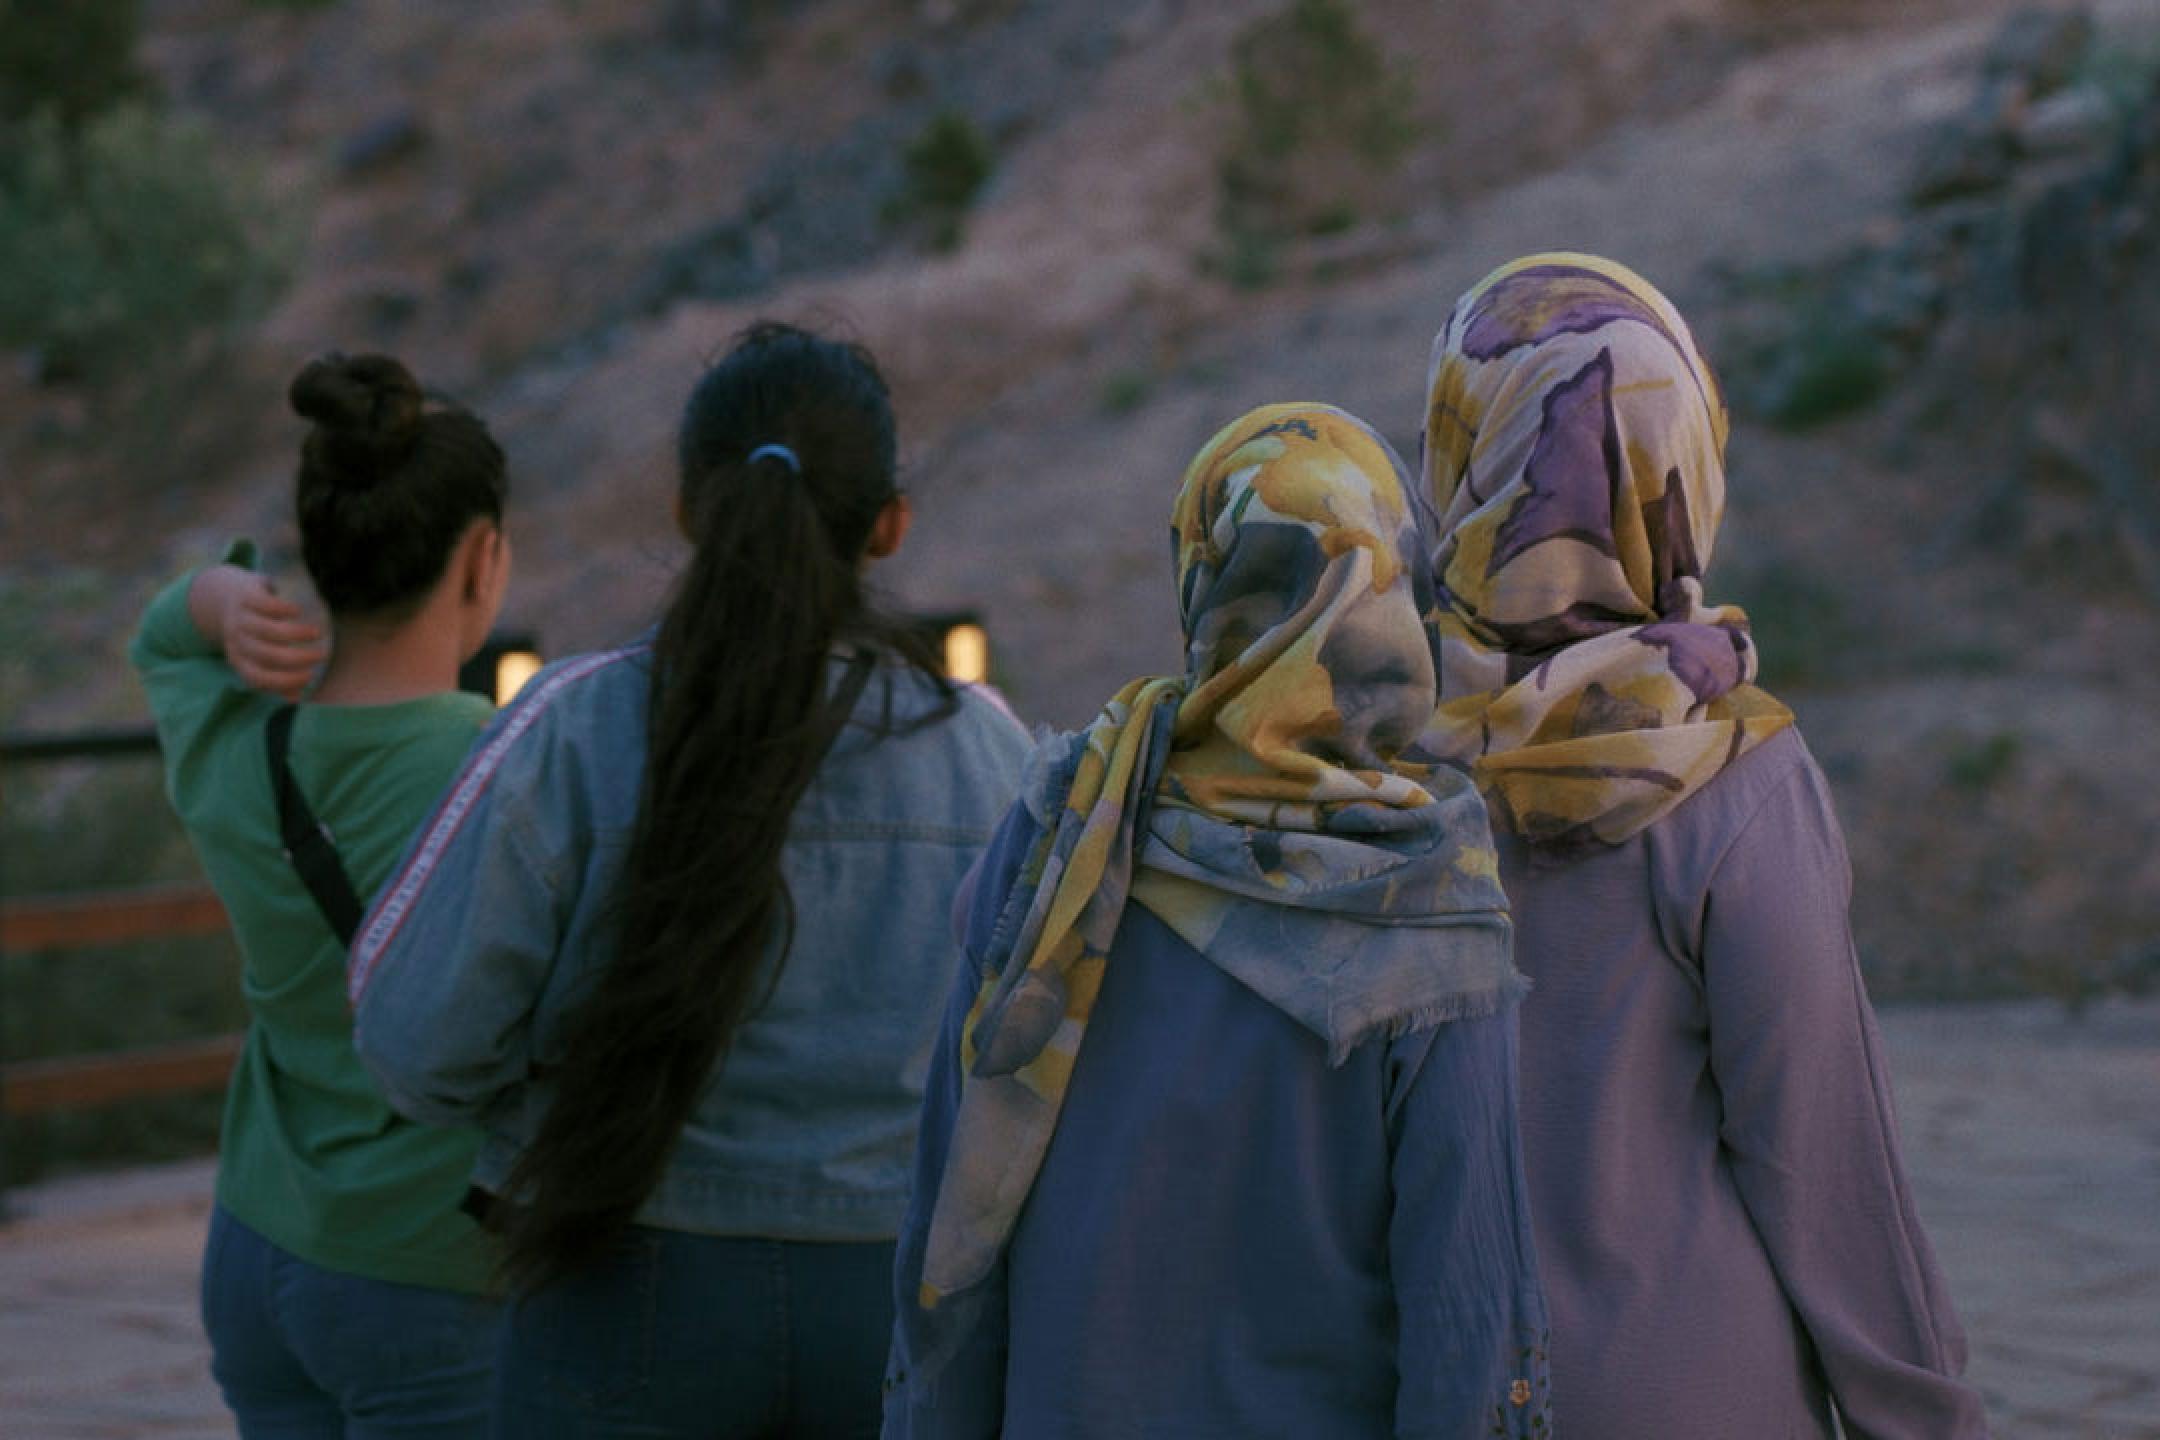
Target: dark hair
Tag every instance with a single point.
(740, 718)
(388, 482)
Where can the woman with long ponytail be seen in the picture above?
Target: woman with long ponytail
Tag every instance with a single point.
(677, 937)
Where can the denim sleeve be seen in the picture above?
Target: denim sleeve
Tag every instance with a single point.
(1811, 1130)
(946, 1376)
(1471, 1346)
(458, 949)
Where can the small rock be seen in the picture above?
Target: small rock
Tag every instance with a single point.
(1899, 299)
(1969, 155)
(2040, 48)
(470, 276)
(2057, 453)
(390, 308)
(381, 144)
(694, 24)
(2060, 240)
(900, 72)
(2070, 122)
(770, 194)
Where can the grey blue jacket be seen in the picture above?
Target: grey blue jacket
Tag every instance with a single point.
(1232, 1238)
(497, 922)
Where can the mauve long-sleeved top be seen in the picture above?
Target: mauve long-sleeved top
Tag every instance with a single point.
(1722, 1218)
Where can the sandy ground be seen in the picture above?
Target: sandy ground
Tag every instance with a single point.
(2032, 1138)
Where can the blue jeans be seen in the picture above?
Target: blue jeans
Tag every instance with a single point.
(304, 1353)
(716, 1337)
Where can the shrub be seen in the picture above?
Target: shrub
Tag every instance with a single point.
(73, 58)
(1831, 368)
(1810, 343)
(1125, 391)
(1319, 120)
(946, 166)
(1804, 631)
(125, 248)
(1979, 763)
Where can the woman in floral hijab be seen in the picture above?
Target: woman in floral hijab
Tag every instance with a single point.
(1219, 1140)
(1727, 1237)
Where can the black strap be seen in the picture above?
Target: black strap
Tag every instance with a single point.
(308, 842)
(841, 707)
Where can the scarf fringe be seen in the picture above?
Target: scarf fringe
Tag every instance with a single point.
(1468, 1005)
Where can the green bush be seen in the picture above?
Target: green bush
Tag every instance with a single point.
(1126, 391)
(1310, 75)
(71, 58)
(126, 247)
(946, 165)
(1979, 763)
(1830, 366)
(1804, 631)
(1318, 120)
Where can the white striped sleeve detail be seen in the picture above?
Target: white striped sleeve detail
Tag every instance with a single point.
(388, 916)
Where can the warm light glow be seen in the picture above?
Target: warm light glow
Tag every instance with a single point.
(967, 654)
(512, 669)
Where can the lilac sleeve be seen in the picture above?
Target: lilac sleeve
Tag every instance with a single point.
(1810, 1128)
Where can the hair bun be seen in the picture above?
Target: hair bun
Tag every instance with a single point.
(366, 410)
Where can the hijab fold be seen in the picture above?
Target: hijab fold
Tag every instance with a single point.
(1256, 804)
(1574, 449)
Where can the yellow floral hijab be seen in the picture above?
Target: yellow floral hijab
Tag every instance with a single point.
(1255, 804)
(1574, 448)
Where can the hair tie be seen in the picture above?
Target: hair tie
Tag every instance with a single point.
(776, 452)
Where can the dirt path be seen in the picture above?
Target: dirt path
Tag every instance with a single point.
(2032, 1138)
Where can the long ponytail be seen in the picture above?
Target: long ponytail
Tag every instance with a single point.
(738, 722)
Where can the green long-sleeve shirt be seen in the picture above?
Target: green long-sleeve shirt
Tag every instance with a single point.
(311, 1155)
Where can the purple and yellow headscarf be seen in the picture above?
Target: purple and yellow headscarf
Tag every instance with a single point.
(1574, 448)
(1255, 804)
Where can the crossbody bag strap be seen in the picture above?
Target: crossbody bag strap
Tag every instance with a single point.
(840, 708)
(308, 842)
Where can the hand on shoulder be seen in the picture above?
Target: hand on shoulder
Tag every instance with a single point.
(267, 639)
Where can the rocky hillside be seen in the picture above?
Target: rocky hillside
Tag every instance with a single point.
(1920, 237)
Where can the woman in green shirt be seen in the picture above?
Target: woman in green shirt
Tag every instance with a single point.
(343, 1290)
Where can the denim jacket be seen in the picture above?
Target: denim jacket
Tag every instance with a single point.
(497, 922)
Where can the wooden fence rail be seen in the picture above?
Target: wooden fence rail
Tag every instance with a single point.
(82, 1082)
(70, 922)
(109, 917)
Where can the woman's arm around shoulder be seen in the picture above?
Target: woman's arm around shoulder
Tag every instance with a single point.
(1809, 1123)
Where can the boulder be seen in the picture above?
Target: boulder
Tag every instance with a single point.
(382, 143)
(2077, 121)
(2040, 49)
(1970, 154)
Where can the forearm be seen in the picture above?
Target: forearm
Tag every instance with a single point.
(213, 595)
